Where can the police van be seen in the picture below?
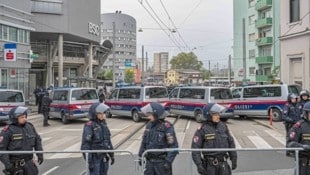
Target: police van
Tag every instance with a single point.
(189, 101)
(9, 98)
(259, 100)
(72, 103)
(127, 101)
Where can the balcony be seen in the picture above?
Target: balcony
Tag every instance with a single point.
(266, 22)
(264, 41)
(262, 78)
(263, 4)
(264, 60)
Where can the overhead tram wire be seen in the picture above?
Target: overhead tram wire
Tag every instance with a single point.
(141, 2)
(172, 22)
(191, 12)
(165, 25)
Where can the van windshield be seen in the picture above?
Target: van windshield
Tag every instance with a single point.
(156, 92)
(84, 94)
(220, 94)
(11, 96)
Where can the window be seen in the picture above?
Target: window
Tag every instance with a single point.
(262, 92)
(5, 34)
(252, 53)
(129, 93)
(47, 6)
(266, 51)
(113, 94)
(252, 70)
(251, 19)
(174, 93)
(11, 96)
(252, 37)
(294, 11)
(84, 94)
(251, 3)
(156, 93)
(293, 89)
(236, 93)
(192, 93)
(220, 94)
(60, 95)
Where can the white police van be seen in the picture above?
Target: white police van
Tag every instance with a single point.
(189, 101)
(259, 100)
(10, 98)
(127, 101)
(72, 103)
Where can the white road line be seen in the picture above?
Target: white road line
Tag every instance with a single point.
(237, 144)
(276, 135)
(188, 124)
(46, 138)
(259, 142)
(50, 170)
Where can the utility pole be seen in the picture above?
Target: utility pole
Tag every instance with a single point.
(142, 70)
(146, 61)
(244, 49)
(229, 70)
(114, 45)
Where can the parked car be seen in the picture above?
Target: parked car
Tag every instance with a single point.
(10, 98)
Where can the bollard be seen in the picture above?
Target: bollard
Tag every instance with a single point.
(270, 117)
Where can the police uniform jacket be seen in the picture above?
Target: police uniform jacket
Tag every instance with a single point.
(159, 134)
(212, 135)
(291, 113)
(300, 135)
(19, 138)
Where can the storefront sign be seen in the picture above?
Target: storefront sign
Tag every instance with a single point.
(10, 52)
(93, 29)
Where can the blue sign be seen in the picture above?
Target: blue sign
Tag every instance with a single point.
(10, 52)
(10, 46)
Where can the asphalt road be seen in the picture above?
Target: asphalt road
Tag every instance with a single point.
(247, 134)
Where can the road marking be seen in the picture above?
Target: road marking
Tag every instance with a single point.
(259, 142)
(276, 135)
(46, 138)
(237, 144)
(188, 124)
(50, 170)
(75, 147)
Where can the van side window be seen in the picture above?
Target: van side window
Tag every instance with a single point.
(156, 92)
(220, 94)
(174, 93)
(60, 95)
(262, 92)
(192, 93)
(129, 93)
(113, 94)
(236, 93)
(84, 94)
(11, 96)
(293, 89)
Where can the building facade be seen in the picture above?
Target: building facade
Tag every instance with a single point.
(295, 42)
(15, 27)
(161, 62)
(262, 48)
(125, 42)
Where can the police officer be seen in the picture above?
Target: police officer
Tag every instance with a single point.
(97, 136)
(158, 134)
(20, 135)
(213, 134)
(101, 95)
(304, 98)
(291, 114)
(299, 136)
(46, 102)
(40, 97)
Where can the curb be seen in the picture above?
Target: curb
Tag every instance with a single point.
(263, 124)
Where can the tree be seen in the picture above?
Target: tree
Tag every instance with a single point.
(274, 76)
(186, 61)
(206, 74)
(129, 76)
(108, 74)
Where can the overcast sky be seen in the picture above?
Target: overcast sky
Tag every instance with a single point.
(205, 25)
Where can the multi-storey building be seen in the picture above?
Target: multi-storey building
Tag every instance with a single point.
(262, 47)
(125, 41)
(161, 62)
(295, 42)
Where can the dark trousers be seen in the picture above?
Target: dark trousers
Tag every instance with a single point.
(99, 165)
(28, 169)
(156, 168)
(221, 168)
(304, 166)
(45, 117)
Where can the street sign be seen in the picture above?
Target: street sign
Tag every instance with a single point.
(9, 52)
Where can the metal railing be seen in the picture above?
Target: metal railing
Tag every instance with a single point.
(134, 163)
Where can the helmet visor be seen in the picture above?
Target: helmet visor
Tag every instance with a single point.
(216, 108)
(20, 111)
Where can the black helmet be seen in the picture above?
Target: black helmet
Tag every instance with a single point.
(291, 96)
(306, 110)
(157, 109)
(212, 108)
(304, 93)
(96, 108)
(16, 112)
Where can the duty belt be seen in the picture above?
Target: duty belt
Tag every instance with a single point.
(215, 160)
(151, 156)
(21, 161)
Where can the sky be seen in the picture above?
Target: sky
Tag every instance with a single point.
(203, 26)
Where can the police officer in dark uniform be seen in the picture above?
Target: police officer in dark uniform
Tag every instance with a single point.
(20, 135)
(40, 97)
(304, 98)
(299, 136)
(97, 136)
(291, 114)
(158, 134)
(213, 133)
(46, 102)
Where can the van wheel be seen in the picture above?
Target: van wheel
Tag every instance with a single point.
(64, 119)
(135, 116)
(276, 114)
(243, 116)
(109, 115)
(198, 116)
